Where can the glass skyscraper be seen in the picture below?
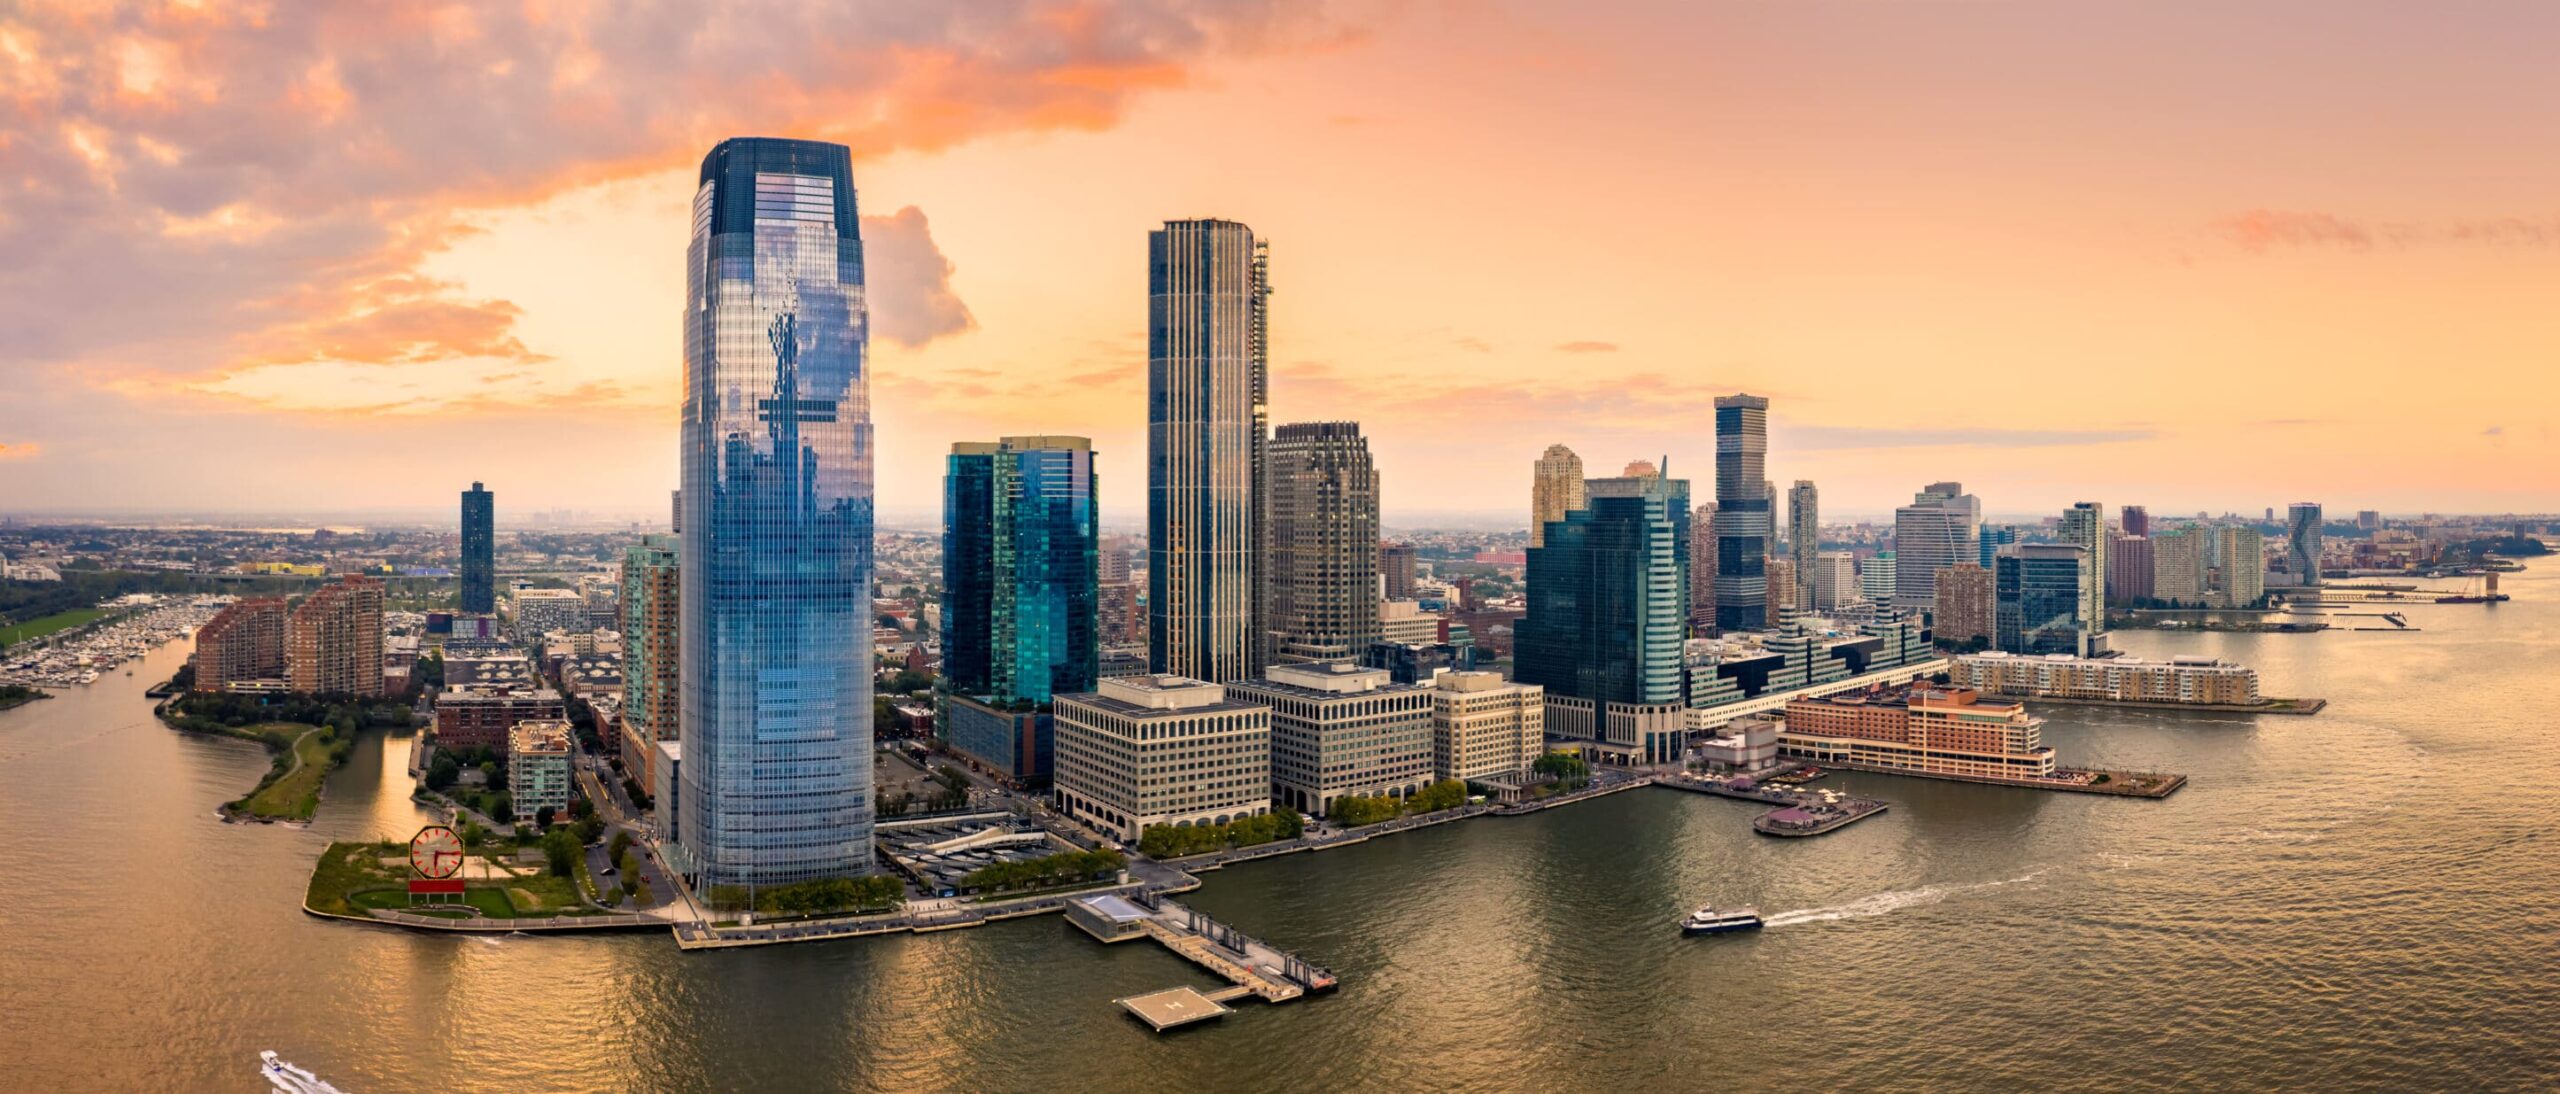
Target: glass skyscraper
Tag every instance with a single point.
(1020, 571)
(479, 551)
(2303, 529)
(775, 447)
(1608, 595)
(2037, 599)
(1743, 522)
(1208, 384)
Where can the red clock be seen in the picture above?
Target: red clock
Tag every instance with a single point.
(435, 852)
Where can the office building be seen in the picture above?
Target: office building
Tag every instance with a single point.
(2302, 542)
(538, 775)
(1323, 565)
(1702, 568)
(1340, 730)
(1941, 527)
(1015, 742)
(652, 653)
(1405, 621)
(1606, 616)
(1804, 538)
(1485, 729)
(2368, 519)
(2192, 681)
(2180, 573)
(775, 449)
(1782, 589)
(333, 639)
(1965, 606)
(2038, 588)
(1878, 575)
(1991, 538)
(1555, 488)
(1742, 513)
(2244, 566)
(1208, 381)
(2135, 520)
(1395, 571)
(242, 643)
(1140, 751)
(2129, 566)
(2084, 526)
(1420, 662)
(1835, 580)
(1919, 731)
(470, 716)
(1021, 543)
(479, 550)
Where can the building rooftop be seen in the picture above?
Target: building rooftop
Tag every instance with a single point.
(539, 738)
(1332, 677)
(1148, 696)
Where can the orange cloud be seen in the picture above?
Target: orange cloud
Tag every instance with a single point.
(20, 451)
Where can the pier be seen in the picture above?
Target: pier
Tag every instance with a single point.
(1799, 813)
(1250, 966)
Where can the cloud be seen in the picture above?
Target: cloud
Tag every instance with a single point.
(2494, 431)
(909, 281)
(22, 450)
(195, 190)
(1824, 437)
(1473, 344)
(1587, 347)
(2263, 230)
(2267, 229)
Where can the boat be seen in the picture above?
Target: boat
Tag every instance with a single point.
(1708, 919)
(283, 1076)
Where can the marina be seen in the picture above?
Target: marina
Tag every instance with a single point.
(134, 626)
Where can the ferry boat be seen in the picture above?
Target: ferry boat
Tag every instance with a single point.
(288, 1079)
(1708, 920)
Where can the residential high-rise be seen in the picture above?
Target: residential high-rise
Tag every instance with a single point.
(1395, 567)
(2368, 520)
(2135, 519)
(652, 652)
(1606, 620)
(1555, 488)
(2302, 541)
(2038, 588)
(2129, 569)
(1835, 580)
(1341, 730)
(1323, 507)
(243, 642)
(1208, 289)
(1140, 751)
(2244, 566)
(2084, 525)
(333, 640)
(479, 551)
(1941, 527)
(1804, 537)
(1966, 603)
(1782, 590)
(1702, 568)
(2179, 571)
(1021, 540)
(1743, 523)
(775, 448)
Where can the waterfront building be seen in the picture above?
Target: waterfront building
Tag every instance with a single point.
(1208, 386)
(1605, 620)
(1941, 527)
(1016, 741)
(1919, 731)
(2135, 520)
(1965, 605)
(1555, 488)
(479, 550)
(1020, 564)
(652, 653)
(1803, 659)
(775, 449)
(1990, 538)
(1782, 590)
(2037, 589)
(243, 642)
(1341, 730)
(1743, 524)
(2184, 680)
(470, 716)
(2129, 569)
(1804, 538)
(333, 639)
(1395, 571)
(1485, 729)
(538, 612)
(2244, 566)
(1405, 621)
(2302, 542)
(2084, 526)
(2179, 573)
(1744, 746)
(538, 767)
(1147, 750)
(1702, 568)
(1323, 566)
(1877, 577)
(1835, 580)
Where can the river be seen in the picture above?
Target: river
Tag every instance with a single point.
(2363, 899)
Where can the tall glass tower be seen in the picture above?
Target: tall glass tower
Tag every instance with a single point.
(1020, 563)
(775, 442)
(1208, 286)
(1608, 595)
(1743, 522)
(2302, 533)
(479, 551)
(1804, 537)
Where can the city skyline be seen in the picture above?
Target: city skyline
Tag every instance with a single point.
(472, 309)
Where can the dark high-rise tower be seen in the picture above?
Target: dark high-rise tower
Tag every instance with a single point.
(1208, 286)
(1323, 562)
(479, 550)
(1020, 558)
(775, 448)
(1743, 522)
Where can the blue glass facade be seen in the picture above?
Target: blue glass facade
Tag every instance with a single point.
(1208, 423)
(479, 551)
(1995, 537)
(2037, 591)
(1743, 521)
(1608, 596)
(775, 446)
(1021, 569)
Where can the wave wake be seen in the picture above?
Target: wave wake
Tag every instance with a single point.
(1881, 903)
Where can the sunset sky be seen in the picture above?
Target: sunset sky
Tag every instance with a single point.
(316, 257)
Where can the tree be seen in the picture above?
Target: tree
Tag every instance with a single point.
(590, 828)
(502, 809)
(542, 816)
(443, 771)
(560, 850)
(620, 845)
(640, 892)
(626, 864)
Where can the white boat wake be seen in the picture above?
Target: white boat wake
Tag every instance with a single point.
(1881, 903)
(283, 1076)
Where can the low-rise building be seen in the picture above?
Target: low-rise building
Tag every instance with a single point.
(1921, 731)
(1017, 744)
(1146, 750)
(2192, 680)
(1746, 745)
(472, 716)
(1342, 731)
(1484, 728)
(538, 766)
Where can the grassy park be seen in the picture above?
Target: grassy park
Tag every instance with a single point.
(354, 878)
(291, 790)
(43, 625)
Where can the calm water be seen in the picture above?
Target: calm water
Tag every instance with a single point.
(2359, 899)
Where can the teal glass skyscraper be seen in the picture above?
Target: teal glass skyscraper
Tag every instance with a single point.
(775, 447)
(1020, 571)
(479, 550)
(2037, 591)
(1609, 595)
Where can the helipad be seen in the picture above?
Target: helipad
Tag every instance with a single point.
(1173, 1007)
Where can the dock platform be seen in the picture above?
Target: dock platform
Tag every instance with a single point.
(1174, 1007)
(1798, 813)
(1251, 966)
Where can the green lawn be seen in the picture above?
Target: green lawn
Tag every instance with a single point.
(352, 878)
(294, 795)
(43, 625)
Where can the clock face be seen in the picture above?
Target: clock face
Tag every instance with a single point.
(435, 852)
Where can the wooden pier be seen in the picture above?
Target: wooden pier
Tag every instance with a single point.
(1249, 965)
